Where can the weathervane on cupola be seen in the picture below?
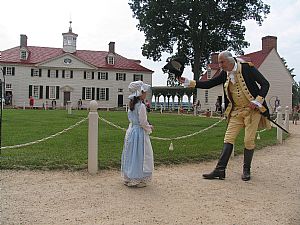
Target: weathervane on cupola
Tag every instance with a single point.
(69, 40)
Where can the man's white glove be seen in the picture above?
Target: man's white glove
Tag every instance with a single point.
(256, 103)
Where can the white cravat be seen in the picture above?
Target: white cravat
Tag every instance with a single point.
(231, 77)
(231, 73)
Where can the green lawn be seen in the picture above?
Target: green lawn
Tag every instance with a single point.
(69, 150)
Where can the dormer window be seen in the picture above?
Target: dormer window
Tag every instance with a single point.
(23, 54)
(111, 60)
(208, 73)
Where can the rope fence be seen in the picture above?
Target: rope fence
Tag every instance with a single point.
(166, 139)
(46, 138)
(278, 119)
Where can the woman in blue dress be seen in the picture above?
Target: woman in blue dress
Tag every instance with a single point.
(137, 156)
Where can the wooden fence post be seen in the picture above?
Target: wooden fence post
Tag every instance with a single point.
(93, 138)
(279, 121)
(287, 118)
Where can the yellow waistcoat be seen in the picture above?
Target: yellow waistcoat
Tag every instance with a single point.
(264, 122)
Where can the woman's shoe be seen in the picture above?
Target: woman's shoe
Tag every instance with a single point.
(141, 185)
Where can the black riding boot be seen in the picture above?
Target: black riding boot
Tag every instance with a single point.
(248, 154)
(219, 171)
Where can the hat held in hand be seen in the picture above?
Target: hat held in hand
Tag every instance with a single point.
(174, 66)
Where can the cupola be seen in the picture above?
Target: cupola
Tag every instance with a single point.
(69, 40)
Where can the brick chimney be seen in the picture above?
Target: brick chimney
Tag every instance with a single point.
(214, 58)
(111, 47)
(268, 43)
(23, 40)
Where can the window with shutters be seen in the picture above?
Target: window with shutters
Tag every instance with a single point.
(88, 93)
(102, 75)
(36, 91)
(52, 73)
(52, 92)
(35, 72)
(89, 75)
(121, 76)
(137, 77)
(67, 74)
(9, 71)
(102, 94)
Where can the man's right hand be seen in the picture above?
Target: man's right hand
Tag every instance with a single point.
(187, 83)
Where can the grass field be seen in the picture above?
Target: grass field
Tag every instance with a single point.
(69, 150)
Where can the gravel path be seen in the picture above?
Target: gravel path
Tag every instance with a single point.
(177, 195)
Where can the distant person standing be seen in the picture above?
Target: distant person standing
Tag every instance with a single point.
(31, 102)
(79, 104)
(53, 104)
(197, 107)
(295, 114)
(218, 105)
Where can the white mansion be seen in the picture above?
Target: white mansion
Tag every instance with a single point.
(62, 75)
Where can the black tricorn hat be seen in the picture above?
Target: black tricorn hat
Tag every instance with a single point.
(175, 66)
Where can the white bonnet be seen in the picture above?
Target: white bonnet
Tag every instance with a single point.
(136, 88)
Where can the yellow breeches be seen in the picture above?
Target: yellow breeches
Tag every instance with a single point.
(243, 118)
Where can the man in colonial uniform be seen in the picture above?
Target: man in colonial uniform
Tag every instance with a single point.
(245, 107)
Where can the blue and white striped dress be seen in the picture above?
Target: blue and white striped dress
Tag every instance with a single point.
(137, 156)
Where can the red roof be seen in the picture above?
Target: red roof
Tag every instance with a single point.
(256, 58)
(95, 58)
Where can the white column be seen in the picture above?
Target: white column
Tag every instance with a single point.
(287, 118)
(173, 102)
(93, 138)
(178, 105)
(69, 107)
(279, 121)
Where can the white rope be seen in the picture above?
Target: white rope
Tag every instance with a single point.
(260, 131)
(189, 135)
(112, 124)
(46, 138)
(166, 139)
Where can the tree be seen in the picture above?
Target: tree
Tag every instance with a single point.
(296, 93)
(195, 28)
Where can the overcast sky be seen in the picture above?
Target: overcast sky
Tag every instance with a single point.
(99, 22)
